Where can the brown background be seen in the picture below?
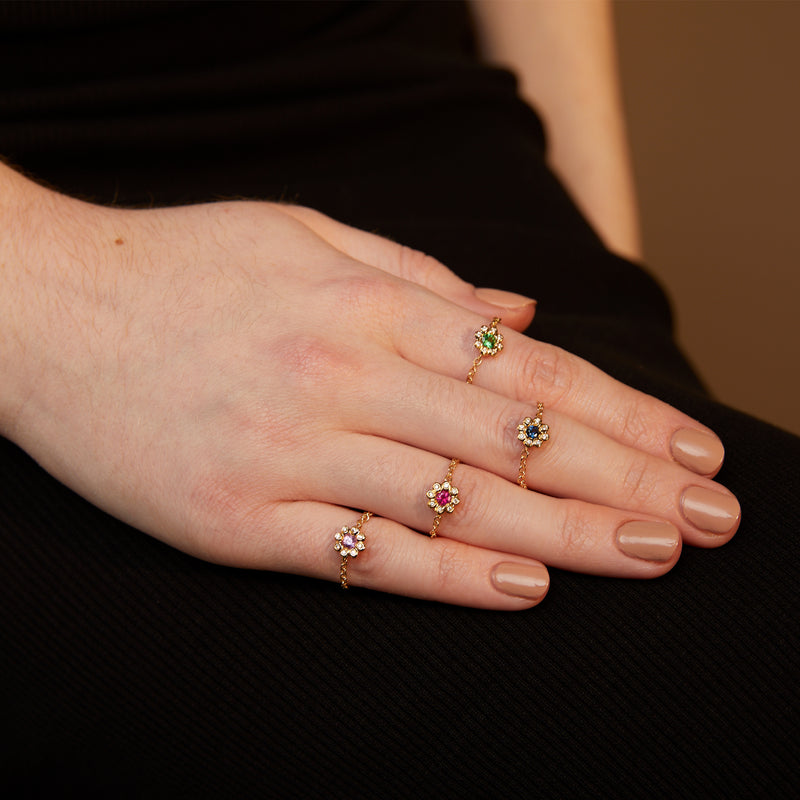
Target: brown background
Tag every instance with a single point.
(712, 94)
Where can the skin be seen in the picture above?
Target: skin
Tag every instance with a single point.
(564, 54)
(240, 379)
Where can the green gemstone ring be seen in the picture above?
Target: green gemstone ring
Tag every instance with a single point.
(489, 340)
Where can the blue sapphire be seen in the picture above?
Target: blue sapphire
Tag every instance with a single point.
(532, 431)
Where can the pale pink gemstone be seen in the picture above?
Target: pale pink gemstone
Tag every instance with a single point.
(349, 540)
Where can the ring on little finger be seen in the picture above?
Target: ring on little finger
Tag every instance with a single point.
(350, 541)
(488, 342)
(442, 498)
(532, 433)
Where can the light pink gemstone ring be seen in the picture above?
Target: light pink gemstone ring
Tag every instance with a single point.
(350, 541)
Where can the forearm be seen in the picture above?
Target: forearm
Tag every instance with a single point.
(564, 56)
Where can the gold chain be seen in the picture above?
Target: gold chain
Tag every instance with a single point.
(474, 368)
(523, 465)
(523, 459)
(343, 568)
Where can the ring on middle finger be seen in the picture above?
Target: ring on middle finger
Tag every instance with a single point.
(532, 432)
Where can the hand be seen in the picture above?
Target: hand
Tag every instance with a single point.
(241, 380)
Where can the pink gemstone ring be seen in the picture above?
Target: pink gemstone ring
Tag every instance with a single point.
(442, 497)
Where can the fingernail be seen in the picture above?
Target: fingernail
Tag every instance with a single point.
(501, 299)
(698, 451)
(709, 510)
(530, 581)
(651, 541)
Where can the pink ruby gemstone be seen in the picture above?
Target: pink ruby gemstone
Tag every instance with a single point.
(442, 497)
(349, 540)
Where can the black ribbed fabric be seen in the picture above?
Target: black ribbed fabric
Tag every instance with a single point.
(131, 670)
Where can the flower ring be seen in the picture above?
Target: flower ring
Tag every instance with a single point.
(532, 433)
(489, 340)
(442, 497)
(350, 541)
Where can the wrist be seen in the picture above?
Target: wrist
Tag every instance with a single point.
(21, 201)
(43, 285)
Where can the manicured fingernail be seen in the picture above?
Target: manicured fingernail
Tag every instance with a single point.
(698, 451)
(501, 299)
(530, 581)
(652, 541)
(710, 511)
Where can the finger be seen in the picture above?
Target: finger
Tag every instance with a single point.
(392, 479)
(441, 339)
(398, 560)
(416, 267)
(576, 461)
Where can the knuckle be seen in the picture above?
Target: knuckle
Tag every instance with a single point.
(549, 370)
(576, 531)
(416, 265)
(451, 570)
(634, 430)
(379, 300)
(365, 292)
(638, 484)
(310, 363)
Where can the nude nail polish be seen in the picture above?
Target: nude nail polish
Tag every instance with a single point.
(699, 451)
(710, 511)
(501, 299)
(530, 581)
(648, 540)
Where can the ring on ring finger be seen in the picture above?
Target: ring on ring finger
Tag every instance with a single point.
(443, 498)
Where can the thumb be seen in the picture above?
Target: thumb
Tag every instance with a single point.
(412, 265)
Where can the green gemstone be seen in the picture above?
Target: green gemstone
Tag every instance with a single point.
(489, 341)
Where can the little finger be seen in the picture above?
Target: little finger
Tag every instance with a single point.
(397, 560)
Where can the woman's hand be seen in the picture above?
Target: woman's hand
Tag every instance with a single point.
(241, 380)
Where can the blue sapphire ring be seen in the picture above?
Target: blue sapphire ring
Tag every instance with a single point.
(532, 432)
